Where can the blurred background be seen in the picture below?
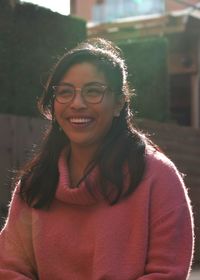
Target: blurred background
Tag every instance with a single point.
(160, 40)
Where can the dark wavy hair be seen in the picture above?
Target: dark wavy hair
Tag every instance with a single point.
(123, 144)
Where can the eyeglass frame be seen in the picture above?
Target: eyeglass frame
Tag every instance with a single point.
(80, 89)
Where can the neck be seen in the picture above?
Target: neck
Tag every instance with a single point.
(78, 161)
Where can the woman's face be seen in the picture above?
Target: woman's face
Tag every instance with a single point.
(84, 123)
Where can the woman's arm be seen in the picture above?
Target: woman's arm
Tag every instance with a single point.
(171, 244)
(16, 252)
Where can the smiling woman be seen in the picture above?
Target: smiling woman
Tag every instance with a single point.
(59, 6)
(99, 200)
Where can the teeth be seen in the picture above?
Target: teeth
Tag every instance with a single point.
(80, 120)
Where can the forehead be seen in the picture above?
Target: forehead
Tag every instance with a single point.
(83, 72)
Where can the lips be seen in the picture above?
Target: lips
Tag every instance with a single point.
(80, 121)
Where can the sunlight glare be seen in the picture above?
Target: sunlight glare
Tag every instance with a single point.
(59, 6)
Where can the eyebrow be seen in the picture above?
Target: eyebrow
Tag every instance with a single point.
(87, 84)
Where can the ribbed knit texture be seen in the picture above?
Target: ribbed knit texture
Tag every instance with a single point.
(81, 195)
(147, 236)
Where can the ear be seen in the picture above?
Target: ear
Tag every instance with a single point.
(118, 106)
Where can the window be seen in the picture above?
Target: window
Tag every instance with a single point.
(109, 10)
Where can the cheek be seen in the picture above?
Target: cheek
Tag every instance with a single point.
(107, 115)
(58, 109)
(110, 108)
(59, 114)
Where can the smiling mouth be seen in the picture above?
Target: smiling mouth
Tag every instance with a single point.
(80, 121)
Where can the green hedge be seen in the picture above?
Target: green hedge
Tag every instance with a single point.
(5, 63)
(28, 49)
(147, 65)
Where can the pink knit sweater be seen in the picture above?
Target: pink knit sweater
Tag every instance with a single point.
(147, 236)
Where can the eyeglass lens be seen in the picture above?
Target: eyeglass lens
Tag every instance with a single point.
(92, 93)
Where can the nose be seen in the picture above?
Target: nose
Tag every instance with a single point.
(78, 101)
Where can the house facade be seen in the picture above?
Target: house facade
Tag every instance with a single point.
(98, 11)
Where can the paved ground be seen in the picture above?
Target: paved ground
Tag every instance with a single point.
(195, 275)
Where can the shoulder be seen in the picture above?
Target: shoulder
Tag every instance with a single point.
(160, 165)
(165, 183)
(19, 211)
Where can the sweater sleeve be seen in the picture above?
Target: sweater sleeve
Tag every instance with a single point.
(171, 225)
(16, 253)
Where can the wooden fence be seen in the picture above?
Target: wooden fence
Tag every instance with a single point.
(19, 135)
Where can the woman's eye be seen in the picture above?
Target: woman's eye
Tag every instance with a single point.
(93, 91)
(65, 91)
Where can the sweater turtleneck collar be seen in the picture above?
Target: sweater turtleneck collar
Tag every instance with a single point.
(80, 195)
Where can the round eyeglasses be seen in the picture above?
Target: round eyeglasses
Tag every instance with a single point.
(91, 93)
